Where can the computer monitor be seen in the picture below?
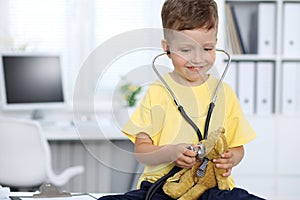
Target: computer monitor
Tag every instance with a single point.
(31, 81)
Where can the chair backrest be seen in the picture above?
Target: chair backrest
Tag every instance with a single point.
(24, 153)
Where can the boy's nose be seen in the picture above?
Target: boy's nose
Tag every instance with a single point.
(199, 56)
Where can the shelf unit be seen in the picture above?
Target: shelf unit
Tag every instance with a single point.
(270, 167)
(278, 57)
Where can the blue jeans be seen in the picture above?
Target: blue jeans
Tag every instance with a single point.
(211, 194)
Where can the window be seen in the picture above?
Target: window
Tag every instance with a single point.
(74, 28)
(38, 25)
(41, 26)
(116, 17)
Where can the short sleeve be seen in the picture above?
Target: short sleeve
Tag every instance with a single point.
(140, 120)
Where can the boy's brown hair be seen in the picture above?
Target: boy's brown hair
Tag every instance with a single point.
(189, 14)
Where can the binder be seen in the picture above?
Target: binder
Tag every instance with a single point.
(289, 87)
(246, 84)
(264, 88)
(232, 30)
(291, 29)
(240, 42)
(231, 76)
(266, 28)
(245, 15)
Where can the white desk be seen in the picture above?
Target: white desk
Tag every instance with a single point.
(91, 130)
(29, 194)
(100, 148)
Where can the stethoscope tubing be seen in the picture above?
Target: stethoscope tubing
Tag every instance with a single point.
(211, 105)
(172, 93)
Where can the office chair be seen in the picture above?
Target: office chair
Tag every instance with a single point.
(25, 156)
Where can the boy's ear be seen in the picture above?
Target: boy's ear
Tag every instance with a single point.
(165, 46)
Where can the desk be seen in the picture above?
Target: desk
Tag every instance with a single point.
(29, 194)
(102, 149)
(90, 130)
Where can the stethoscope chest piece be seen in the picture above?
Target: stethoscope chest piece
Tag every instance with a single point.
(200, 150)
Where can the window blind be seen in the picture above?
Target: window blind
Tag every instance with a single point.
(73, 28)
(39, 25)
(116, 17)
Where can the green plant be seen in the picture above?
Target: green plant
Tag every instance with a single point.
(130, 91)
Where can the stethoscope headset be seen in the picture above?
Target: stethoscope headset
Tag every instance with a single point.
(201, 151)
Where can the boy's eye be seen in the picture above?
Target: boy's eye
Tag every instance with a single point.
(185, 50)
(208, 49)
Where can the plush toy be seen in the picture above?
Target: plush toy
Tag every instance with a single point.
(186, 185)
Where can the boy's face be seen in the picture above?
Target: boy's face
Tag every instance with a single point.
(193, 54)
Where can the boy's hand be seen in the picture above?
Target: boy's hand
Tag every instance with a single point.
(150, 154)
(225, 162)
(184, 157)
(229, 159)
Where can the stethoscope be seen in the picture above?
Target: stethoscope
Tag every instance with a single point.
(200, 150)
(211, 105)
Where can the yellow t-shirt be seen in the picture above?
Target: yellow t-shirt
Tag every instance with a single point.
(158, 116)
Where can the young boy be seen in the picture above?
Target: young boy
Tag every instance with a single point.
(159, 132)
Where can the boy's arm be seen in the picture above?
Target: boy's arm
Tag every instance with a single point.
(229, 159)
(150, 154)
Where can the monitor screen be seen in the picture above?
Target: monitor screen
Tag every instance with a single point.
(31, 81)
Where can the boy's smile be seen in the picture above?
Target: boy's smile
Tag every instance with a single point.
(192, 54)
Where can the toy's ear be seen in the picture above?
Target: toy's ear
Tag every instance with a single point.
(221, 144)
(212, 139)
